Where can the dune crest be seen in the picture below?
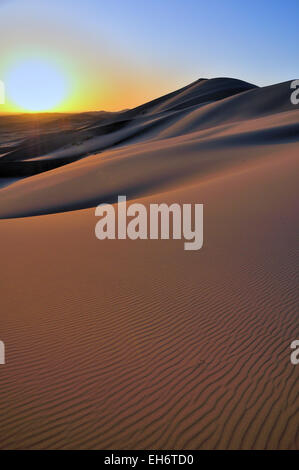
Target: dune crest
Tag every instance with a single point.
(187, 134)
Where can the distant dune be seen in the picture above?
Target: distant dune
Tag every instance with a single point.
(140, 344)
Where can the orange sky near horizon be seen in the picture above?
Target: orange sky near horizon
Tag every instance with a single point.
(99, 75)
(92, 84)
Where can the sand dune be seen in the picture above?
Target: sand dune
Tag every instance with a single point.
(159, 149)
(140, 344)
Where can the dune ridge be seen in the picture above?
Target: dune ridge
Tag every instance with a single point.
(121, 344)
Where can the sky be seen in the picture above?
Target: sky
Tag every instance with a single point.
(117, 54)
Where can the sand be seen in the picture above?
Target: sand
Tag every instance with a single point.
(121, 344)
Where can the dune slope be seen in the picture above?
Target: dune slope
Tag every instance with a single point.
(121, 344)
(140, 344)
(163, 143)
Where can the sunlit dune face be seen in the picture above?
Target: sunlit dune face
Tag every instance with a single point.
(36, 85)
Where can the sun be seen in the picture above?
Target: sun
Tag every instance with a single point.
(36, 85)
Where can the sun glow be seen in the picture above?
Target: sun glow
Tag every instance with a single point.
(36, 85)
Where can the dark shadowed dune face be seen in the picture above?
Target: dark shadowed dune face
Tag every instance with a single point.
(181, 135)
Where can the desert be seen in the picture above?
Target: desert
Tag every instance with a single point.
(140, 344)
